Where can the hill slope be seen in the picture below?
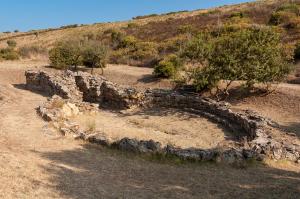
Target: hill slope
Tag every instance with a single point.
(163, 27)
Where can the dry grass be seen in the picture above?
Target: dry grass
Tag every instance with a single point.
(163, 125)
(152, 28)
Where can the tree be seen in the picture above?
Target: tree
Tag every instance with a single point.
(94, 55)
(253, 55)
(66, 54)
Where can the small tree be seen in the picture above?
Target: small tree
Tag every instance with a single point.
(66, 54)
(94, 55)
(253, 55)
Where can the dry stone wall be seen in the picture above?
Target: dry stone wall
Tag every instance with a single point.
(81, 87)
(61, 84)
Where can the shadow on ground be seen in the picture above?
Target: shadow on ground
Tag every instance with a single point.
(292, 127)
(94, 172)
(149, 79)
(23, 87)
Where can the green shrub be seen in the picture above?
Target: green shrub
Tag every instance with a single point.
(253, 55)
(132, 25)
(287, 15)
(144, 50)
(134, 52)
(28, 51)
(173, 45)
(8, 54)
(65, 54)
(94, 55)
(197, 49)
(117, 38)
(168, 67)
(278, 18)
(127, 42)
(120, 56)
(11, 43)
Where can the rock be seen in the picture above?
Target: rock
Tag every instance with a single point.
(127, 144)
(65, 131)
(98, 138)
(133, 145)
(69, 110)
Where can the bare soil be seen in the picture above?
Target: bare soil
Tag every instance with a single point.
(38, 163)
(167, 126)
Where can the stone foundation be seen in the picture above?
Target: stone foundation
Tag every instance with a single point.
(78, 87)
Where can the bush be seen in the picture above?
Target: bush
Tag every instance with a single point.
(132, 25)
(28, 51)
(168, 67)
(173, 45)
(11, 43)
(65, 54)
(117, 38)
(94, 55)
(127, 42)
(8, 54)
(144, 50)
(286, 15)
(253, 55)
(198, 49)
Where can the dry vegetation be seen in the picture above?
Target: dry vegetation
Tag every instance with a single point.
(38, 162)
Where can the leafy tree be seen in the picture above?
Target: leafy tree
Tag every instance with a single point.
(66, 54)
(254, 55)
(94, 55)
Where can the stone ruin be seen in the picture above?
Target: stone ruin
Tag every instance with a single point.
(88, 92)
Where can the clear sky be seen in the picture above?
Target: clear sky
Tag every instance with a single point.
(36, 14)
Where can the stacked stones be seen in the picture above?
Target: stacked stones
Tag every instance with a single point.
(96, 89)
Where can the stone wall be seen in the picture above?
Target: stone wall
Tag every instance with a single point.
(84, 87)
(61, 84)
(106, 93)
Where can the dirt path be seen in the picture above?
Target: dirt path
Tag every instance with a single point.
(38, 163)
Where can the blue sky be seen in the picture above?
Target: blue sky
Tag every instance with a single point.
(36, 14)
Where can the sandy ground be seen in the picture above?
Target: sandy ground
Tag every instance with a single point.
(38, 163)
(168, 126)
(282, 106)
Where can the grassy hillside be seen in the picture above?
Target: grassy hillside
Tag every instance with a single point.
(146, 39)
(161, 27)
